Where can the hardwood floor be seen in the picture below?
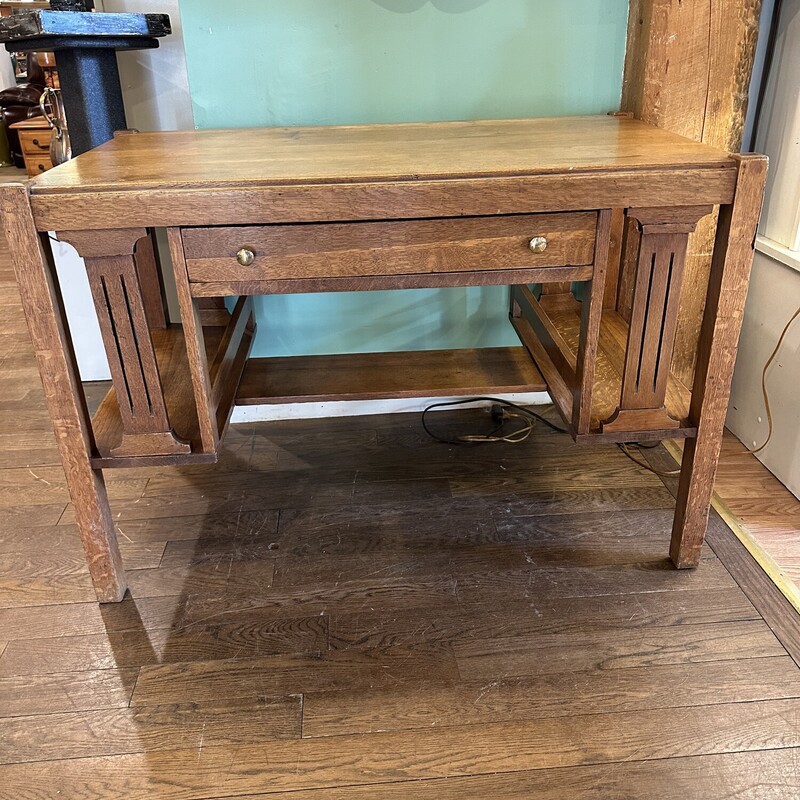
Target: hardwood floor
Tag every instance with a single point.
(765, 513)
(769, 511)
(345, 610)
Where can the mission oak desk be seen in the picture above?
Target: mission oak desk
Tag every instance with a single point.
(604, 202)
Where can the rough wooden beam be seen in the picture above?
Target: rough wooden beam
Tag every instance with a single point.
(687, 69)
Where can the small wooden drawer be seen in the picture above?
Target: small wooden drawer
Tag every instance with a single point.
(35, 142)
(36, 165)
(326, 250)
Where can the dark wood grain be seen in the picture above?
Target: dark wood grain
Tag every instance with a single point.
(315, 763)
(42, 307)
(770, 775)
(719, 336)
(478, 702)
(369, 376)
(377, 248)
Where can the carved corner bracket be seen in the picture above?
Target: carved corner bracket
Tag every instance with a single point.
(660, 254)
(118, 300)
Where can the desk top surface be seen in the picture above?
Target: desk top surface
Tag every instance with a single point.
(376, 153)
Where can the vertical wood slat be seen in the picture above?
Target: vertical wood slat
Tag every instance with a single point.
(591, 313)
(558, 350)
(627, 271)
(44, 314)
(719, 336)
(195, 346)
(652, 330)
(131, 356)
(148, 272)
(614, 259)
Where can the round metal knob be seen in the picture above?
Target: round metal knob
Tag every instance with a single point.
(245, 256)
(538, 244)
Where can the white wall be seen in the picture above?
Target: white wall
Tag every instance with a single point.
(155, 83)
(775, 285)
(155, 88)
(773, 297)
(7, 77)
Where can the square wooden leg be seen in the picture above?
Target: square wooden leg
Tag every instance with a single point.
(44, 314)
(719, 335)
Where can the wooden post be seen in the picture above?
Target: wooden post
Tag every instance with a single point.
(719, 336)
(687, 69)
(41, 302)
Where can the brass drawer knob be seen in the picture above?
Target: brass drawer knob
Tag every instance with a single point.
(538, 244)
(245, 256)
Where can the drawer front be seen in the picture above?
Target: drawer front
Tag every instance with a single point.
(464, 244)
(35, 142)
(36, 165)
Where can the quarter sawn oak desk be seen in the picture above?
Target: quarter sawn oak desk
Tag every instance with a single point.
(543, 201)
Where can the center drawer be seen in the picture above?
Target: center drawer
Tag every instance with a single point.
(324, 250)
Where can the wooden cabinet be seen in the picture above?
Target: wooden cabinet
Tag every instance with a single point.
(34, 138)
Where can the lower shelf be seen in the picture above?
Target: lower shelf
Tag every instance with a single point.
(367, 376)
(379, 376)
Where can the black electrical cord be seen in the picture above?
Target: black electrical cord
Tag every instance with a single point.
(521, 434)
(516, 436)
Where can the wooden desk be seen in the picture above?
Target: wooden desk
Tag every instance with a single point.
(607, 201)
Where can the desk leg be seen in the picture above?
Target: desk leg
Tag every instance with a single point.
(716, 354)
(41, 302)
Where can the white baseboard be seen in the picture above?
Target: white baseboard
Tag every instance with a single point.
(360, 408)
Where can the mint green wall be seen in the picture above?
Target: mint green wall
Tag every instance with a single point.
(309, 62)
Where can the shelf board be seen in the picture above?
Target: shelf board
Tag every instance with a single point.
(380, 376)
(173, 367)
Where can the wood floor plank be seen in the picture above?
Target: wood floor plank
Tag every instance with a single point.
(386, 758)
(66, 691)
(73, 619)
(132, 648)
(148, 729)
(428, 512)
(245, 525)
(291, 491)
(516, 589)
(329, 569)
(43, 578)
(376, 593)
(769, 775)
(47, 486)
(560, 694)
(539, 654)
(651, 576)
(214, 579)
(293, 674)
(36, 449)
(578, 477)
(574, 539)
(31, 516)
(44, 548)
(526, 616)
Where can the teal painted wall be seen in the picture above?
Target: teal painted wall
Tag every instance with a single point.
(309, 62)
